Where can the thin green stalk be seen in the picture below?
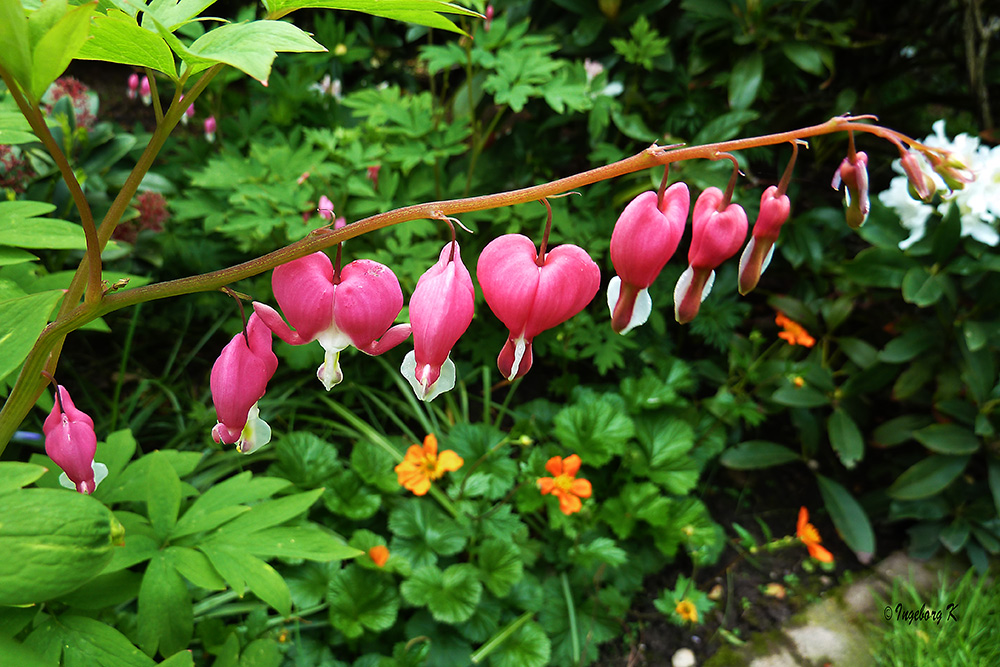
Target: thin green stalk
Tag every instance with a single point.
(117, 392)
(506, 402)
(499, 638)
(574, 634)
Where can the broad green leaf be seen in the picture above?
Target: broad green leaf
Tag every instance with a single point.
(348, 496)
(955, 535)
(860, 352)
(308, 541)
(117, 38)
(922, 288)
(15, 475)
(500, 565)
(595, 426)
(242, 571)
(374, 466)
(306, 460)
(195, 567)
(692, 525)
(799, 397)
(421, 12)
(130, 486)
(10, 256)
(233, 492)
(807, 57)
(21, 655)
(754, 454)
(42, 233)
(495, 468)
(744, 80)
(848, 517)
(267, 514)
(200, 523)
(163, 499)
(845, 438)
(528, 646)
(84, 641)
(21, 321)
(24, 208)
(927, 477)
(165, 620)
(54, 51)
(361, 599)
(173, 13)
(907, 346)
(947, 439)
(899, 429)
(252, 47)
(451, 596)
(599, 551)
(422, 532)
(977, 334)
(15, 55)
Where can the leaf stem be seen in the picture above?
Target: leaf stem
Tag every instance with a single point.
(499, 638)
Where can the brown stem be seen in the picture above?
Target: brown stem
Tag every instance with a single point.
(786, 177)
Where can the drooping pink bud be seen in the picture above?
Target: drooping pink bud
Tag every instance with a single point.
(133, 86)
(489, 18)
(145, 92)
(210, 127)
(326, 208)
(774, 210)
(715, 237)
(921, 182)
(854, 176)
(71, 444)
(356, 308)
(188, 114)
(530, 295)
(644, 239)
(373, 174)
(340, 222)
(239, 379)
(441, 309)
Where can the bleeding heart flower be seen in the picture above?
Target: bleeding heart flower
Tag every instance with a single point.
(774, 210)
(530, 295)
(854, 175)
(356, 308)
(239, 379)
(210, 127)
(441, 309)
(71, 444)
(715, 237)
(145, 92)
(644, 239)
(133, 86)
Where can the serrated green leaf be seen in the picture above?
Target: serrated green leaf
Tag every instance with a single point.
(595, 426)
(306, 460)
(21, 321)
(848, 517)
(421, 533)
(496, 472)
(754, 454)
(451, 596)
(361, 599)
(500, 565)
(528, 646)
(252, 47)
(927, 477)
(117, 38)
(166, 619)
(349, 497)
(58, 46)
(375, 466)
(599, 551)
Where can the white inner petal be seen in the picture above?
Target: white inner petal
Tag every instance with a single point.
(614, 292)
(256, 433)
(708, 285)
(640, 312)
(518, 355)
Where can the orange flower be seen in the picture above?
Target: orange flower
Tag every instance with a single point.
(687, 611)
(810, 537)
(424, 464)
(563, 484)
(379, 554)
(793, 332)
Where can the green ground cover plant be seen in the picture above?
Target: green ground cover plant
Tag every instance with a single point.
(495, 510)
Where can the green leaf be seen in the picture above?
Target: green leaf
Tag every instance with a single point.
(195, 567)
(947, 439)
(349, 497)
(174, 13)
(807, 57)
(374, 466)
(308, 541)
(845, 438)
(85, 641)
(899, 429)
(21, 321)
(242, 571)
(860, 352)
(692, 525)
(421, 532)
(15, 55)
(15, 475)
(663, 456)
(451, 596)
(421, 12)
(744, 80)
(117, 38)
(163, 495)
(927, 477)
(304, 459)
(500, 565)
(799, 397)
(58, 46)
(923, 288)
(528, 646)
(754, 454)
(252, 47)
(361, 599)
(266, 514)
(42, 233)
(497, 472)
(994, 481)
(599, 551)
(848, 517)
(907, 346)
(224, 500)
(166, 618)
(595, 426)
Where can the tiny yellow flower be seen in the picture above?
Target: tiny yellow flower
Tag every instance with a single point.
(687, 611)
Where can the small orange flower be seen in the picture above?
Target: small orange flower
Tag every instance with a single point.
(810, 537)
(563, 484)
(379, 554)
(423, 465)
(793, 332)
(687, 611)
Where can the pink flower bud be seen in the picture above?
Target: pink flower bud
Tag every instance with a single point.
(325, 208)
(489, 18)
(133, 86)
(210, 127)
(854, 175)
(756, 256)
(373, 175)
(920, 180)
(441, 309)
(644, 239)
(715, 237)
(239, 379)
(529, 298)
(145, 92)
(71, 443)
(355, 309)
